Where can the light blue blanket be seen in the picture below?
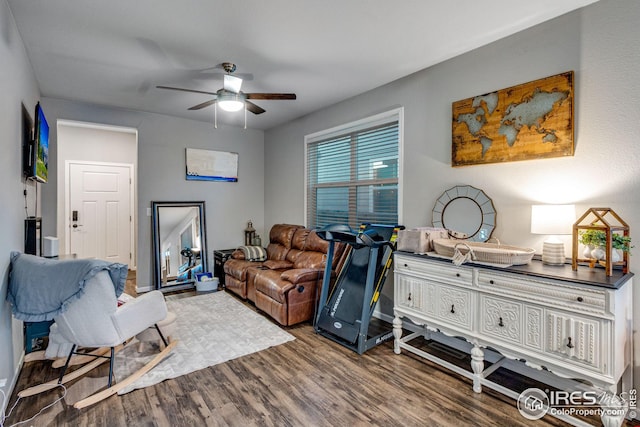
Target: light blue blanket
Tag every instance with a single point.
(41, 288)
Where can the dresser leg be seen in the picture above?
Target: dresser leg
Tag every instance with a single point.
(613, 411)
(397, 334)
(477, 365)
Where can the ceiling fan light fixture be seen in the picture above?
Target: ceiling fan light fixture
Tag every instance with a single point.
(231, 106)
(230, 101)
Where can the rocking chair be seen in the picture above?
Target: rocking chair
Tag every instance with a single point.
(92, 319)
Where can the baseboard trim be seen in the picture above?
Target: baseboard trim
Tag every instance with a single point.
(12, 385)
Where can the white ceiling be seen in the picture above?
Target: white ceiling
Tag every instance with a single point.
(114, 52)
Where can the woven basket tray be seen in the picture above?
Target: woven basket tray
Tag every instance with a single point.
(485, 252)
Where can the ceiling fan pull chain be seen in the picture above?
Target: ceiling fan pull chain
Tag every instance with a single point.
(215, 115)
(245, 116)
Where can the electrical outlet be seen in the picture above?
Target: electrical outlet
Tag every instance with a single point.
(3, 382)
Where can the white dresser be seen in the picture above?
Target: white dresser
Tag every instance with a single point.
(576, 324)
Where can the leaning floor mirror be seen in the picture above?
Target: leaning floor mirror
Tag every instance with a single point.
(179, 244)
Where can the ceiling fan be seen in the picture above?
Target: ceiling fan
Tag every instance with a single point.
(230, 97)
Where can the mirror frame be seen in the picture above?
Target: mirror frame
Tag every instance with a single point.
(157, 268)
(477, 196)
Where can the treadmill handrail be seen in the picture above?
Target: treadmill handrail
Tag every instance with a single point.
(344, 234)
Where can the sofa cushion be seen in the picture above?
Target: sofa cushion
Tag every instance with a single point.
(297, 244)
(310, 259)
(280, 238)
(276, 251)
(314, 243)
(299, 239)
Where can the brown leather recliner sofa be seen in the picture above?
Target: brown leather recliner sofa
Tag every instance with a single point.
(287, 285)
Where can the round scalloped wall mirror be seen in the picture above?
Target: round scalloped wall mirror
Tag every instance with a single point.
(465, 209)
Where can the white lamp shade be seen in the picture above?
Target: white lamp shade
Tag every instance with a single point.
(552, 219)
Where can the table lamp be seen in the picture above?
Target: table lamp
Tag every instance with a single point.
(552, 220)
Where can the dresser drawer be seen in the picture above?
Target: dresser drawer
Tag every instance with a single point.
(435, 271)
(583, 300)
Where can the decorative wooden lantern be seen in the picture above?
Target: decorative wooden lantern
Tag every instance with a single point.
(249, 234)
(608, 222)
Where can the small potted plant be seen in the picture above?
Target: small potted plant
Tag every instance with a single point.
(621, 243)
(593, 238)
(596, 240)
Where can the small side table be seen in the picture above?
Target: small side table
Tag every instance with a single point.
(220, 256)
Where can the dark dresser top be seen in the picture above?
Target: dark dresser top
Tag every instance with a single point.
(584, 275)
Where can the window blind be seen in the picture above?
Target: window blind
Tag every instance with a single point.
(352, 176)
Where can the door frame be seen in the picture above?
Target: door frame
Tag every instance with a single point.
(67, 201)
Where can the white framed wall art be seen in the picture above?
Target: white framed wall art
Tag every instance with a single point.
(210, 165)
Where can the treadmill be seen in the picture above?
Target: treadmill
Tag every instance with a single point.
(345, 313)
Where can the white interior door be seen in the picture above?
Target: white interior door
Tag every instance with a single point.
(99, 213)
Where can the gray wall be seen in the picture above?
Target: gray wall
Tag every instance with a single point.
(161, 173)
(598, 42)
(17, 86)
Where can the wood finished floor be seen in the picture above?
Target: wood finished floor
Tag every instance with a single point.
(310, 381)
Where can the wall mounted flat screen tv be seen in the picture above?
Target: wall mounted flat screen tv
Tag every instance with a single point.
(36, 155)
(27, 142)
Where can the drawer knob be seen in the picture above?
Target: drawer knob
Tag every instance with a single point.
(501, 323)
(457, 274)
(409, 299)
(580, 299)
(406, 265)
(491, 281)
(453, 308)
(569, 344)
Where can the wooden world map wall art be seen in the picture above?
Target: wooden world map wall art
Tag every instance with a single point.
(530, 121)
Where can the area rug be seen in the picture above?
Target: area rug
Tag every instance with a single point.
(210, 329)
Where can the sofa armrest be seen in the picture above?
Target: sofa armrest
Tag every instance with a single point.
(237, 254)
(300, 275)
(273, 264)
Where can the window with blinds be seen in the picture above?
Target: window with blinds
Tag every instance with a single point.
(352, 173)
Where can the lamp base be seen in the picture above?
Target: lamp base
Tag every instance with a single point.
(553, 253)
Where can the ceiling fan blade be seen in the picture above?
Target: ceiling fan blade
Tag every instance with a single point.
(203, 105)
(283, 96)
(186, 90)
(253, 108)
(232, 83)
